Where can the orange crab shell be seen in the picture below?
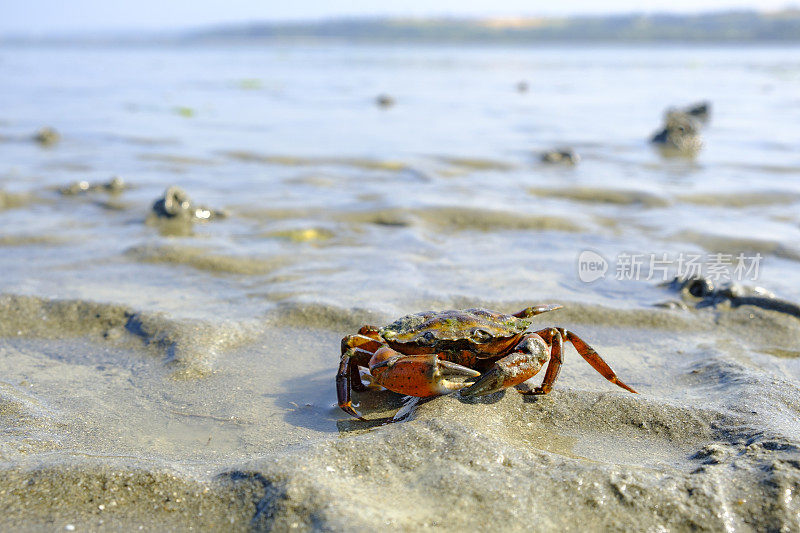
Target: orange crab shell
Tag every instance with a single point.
(412, 377)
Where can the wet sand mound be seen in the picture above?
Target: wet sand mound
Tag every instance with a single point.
(391, 217)
(602, 196)
(714, 243)
(187, 348)
(26, 423)
(709, 443)
(34, 240)
(465, 218)
(283, 160)
(322, 316)
(435, 466)
(108, 496)
(451, 218)
(466, 164)
(202, 259)
(741, 199)
(30, 316)
(177, 160)
(10, 200)
(437, 218)
(507, 462)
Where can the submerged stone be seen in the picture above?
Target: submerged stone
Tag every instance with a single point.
(47, 136)
(680, 135)
(560, 156)
(175, 204)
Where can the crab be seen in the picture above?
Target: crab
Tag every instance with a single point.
(473, 351)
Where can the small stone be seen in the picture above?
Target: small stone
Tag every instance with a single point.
(47, 136)
(562, 156)
(384, 100)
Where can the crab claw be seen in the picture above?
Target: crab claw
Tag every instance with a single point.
(417, 375)
(491, 381)
(518, 366)
(497, 378)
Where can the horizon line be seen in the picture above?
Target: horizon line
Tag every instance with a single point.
(177, 31)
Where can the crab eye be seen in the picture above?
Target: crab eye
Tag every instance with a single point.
(428, 337)
(481, 335)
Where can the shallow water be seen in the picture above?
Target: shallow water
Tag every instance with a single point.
(205, 348)
(411, 199)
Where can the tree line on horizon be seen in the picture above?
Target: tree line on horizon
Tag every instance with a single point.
(732, 26)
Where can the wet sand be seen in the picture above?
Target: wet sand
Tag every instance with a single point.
(207, 400)
(116, 418)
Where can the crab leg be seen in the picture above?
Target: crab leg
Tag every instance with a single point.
(529, 356)
(536, 310)
(356, 351)
(417, 375)
(555, 337)
(594, 359)
(524, 361)
(364, 343)
(348, 376)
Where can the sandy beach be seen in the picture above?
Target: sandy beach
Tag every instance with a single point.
(110, 419)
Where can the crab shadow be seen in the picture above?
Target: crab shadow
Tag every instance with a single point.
(310, 402)
(488, 399)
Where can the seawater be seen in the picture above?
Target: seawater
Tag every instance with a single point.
(437, 201)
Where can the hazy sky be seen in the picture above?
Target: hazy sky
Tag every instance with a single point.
(46, 16)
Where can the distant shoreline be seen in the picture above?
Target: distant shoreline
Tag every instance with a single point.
(728, 27)
(164, 44)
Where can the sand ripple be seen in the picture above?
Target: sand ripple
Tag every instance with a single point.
(187, 348)
(10, 200)
(741, 199)
(450, 218)
(602, 196)
(725, 244)
(203, 259)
